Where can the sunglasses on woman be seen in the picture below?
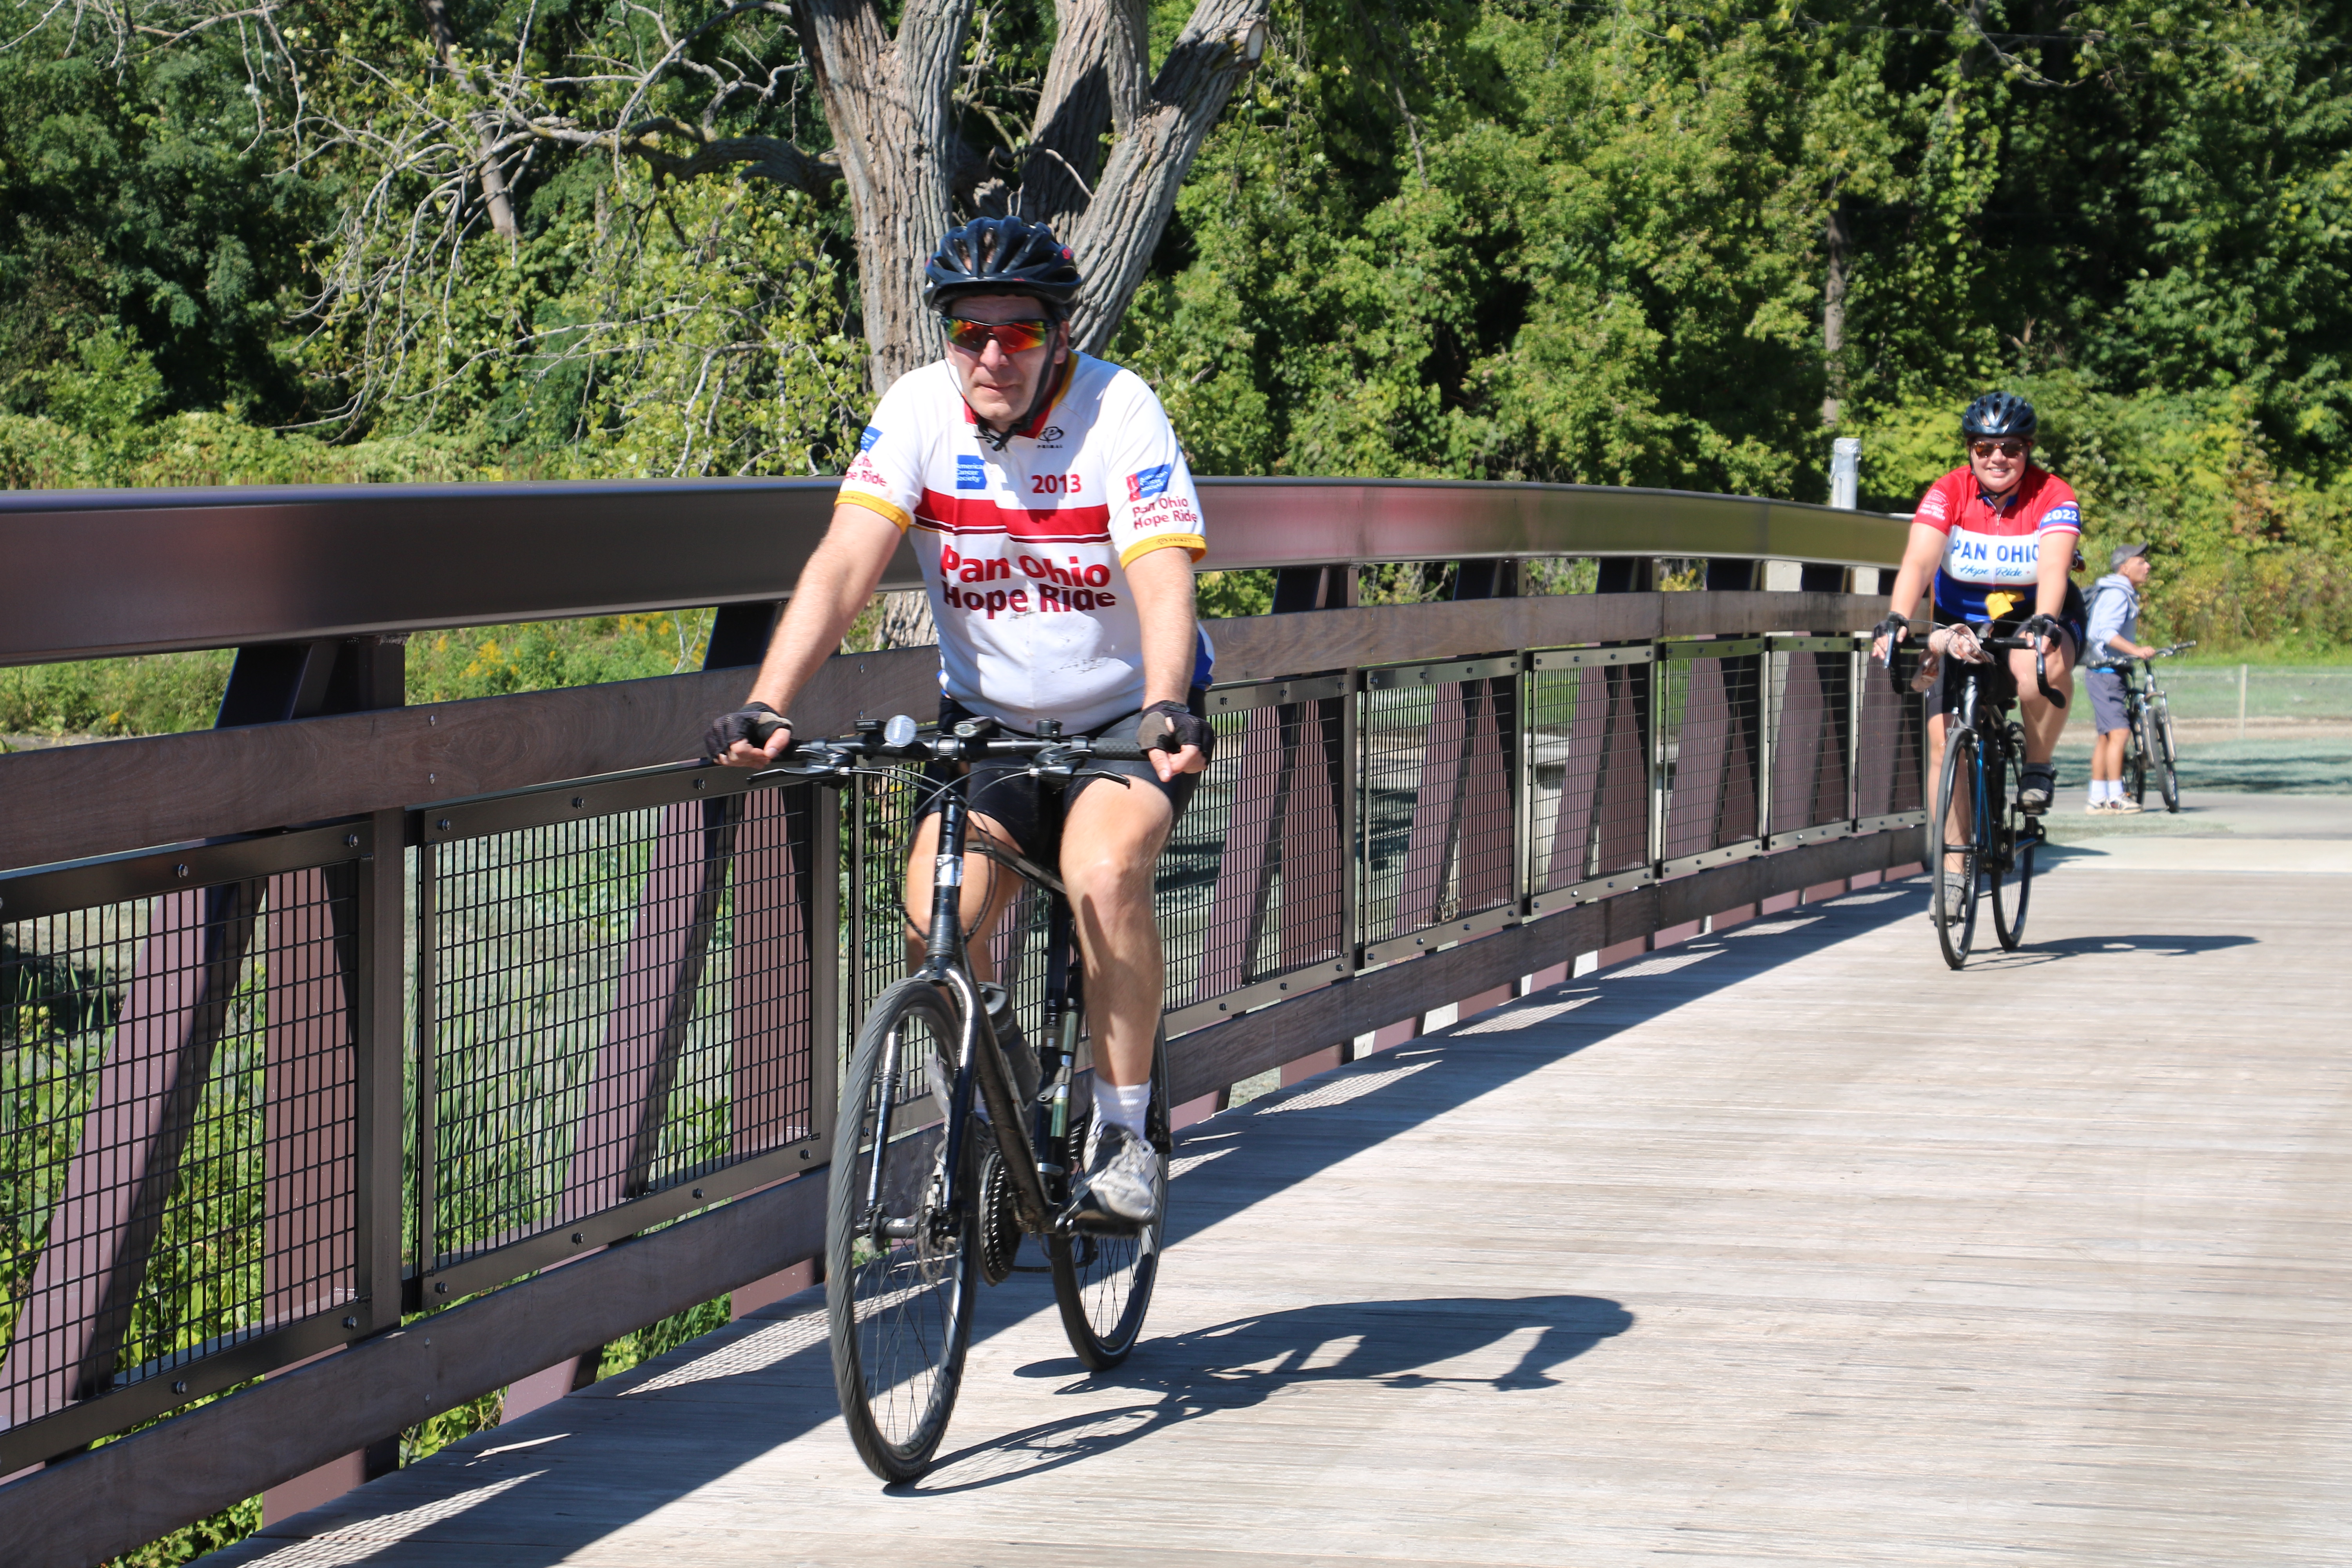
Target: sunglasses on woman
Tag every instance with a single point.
(2006, 449)
(1012, 337)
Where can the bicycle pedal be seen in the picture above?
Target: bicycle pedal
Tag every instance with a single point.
(1082, 1218)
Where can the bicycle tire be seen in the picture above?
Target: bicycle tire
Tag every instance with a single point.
(1955, 927)
(2135, 755)
(898, 1307)
(1102, 1283)
(2012, 880)
(2168, 778)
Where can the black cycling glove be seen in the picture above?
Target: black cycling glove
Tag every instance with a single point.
(1171, 727)
(1893, 629)
(754, 722)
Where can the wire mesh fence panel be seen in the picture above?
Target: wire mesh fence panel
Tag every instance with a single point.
(1888, 757)
(619, 1004)
(1588, 760)
(1438, 813)
(177, 1080)
(2277, 698)
(1812, 719)
(1710, 708)
(1253, 884)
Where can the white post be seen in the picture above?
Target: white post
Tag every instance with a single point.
(2241, 702)
(1845, 472)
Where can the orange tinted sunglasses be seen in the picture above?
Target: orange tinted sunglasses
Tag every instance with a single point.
(1014, 337)
(2006, 449)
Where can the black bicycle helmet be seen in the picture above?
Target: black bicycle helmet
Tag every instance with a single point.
(1001, 256)
(1998, 414)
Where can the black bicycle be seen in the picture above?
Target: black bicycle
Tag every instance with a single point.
(2149, 751)
(948, 1148)
(1982, 840)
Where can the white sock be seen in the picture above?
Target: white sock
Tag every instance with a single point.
(2111, 789)
(1122, 1105)
(2098, 791)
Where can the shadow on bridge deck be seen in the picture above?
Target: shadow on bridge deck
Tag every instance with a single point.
(1787, 1243)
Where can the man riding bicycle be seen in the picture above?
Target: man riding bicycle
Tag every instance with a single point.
(1996, 536)
(2109, 645)
(1055, 519)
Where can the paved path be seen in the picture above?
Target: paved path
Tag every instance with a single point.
(1784, 1246)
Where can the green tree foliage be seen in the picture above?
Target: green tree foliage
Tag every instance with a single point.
(1666, 242)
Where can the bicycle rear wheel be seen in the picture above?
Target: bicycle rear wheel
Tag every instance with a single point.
(900, 1238)
(2167, 781)
(2017, 836)
(1956, 911)
(1103, 1282)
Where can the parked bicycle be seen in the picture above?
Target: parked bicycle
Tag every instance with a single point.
(948, 1149)
(1980, 839)
(2150, 749)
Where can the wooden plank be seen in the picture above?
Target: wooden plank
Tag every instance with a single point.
(234, 566)
(1209, 1059)
(65, 803)
(1698, 1262)
(100, 1504)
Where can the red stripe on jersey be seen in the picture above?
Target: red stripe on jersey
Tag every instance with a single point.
(1063, 525)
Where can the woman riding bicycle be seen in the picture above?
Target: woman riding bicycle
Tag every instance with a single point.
(1998, 536)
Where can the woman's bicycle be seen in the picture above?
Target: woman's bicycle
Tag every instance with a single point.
(950, 1149)
(2149, 751)
(1983, 841)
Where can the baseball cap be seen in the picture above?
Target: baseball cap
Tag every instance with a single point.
(2123, 553)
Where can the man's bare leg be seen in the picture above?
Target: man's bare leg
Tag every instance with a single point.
(1111, 841)
(988, 888)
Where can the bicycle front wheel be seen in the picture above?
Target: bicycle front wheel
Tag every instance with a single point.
(2019, 835)
(1103, 1282)
(2167, 781)
(2141, 758)
(899, 1275)
(1954, 835)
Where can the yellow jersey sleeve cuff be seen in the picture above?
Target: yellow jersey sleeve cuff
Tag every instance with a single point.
(1141, 547)
(874, 503)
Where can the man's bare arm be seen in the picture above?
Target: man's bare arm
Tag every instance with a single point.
(1161, 583)
(838, 582)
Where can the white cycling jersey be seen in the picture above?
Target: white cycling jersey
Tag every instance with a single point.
(1025, 550)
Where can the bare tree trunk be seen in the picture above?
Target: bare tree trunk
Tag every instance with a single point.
(494, 181)
(1833, 315)
(891, 103)
(1159, 135)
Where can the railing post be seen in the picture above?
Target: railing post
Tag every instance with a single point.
(380, 1014)
(428, 939)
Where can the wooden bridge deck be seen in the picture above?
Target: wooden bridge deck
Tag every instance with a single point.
(1783, 1246)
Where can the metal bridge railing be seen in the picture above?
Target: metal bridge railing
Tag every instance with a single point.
(275, 1090)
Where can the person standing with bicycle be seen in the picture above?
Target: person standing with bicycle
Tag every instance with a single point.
(1051, 507)
(2113, 617)
(1996, 538)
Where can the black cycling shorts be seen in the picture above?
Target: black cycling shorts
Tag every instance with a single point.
(1003, 790)
(1944, 696)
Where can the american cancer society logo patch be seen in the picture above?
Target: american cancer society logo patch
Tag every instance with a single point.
(972, 474)
(1148, 483)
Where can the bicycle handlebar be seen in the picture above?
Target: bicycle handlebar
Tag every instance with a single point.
(899, 740)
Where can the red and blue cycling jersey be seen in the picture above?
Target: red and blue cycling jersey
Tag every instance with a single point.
(1992, 546)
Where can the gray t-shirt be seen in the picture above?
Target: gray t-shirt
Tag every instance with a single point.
(2114, 613)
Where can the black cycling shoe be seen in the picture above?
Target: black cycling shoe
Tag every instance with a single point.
(2036, 783)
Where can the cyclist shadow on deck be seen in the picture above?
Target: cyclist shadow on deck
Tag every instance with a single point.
(1506, 1345)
